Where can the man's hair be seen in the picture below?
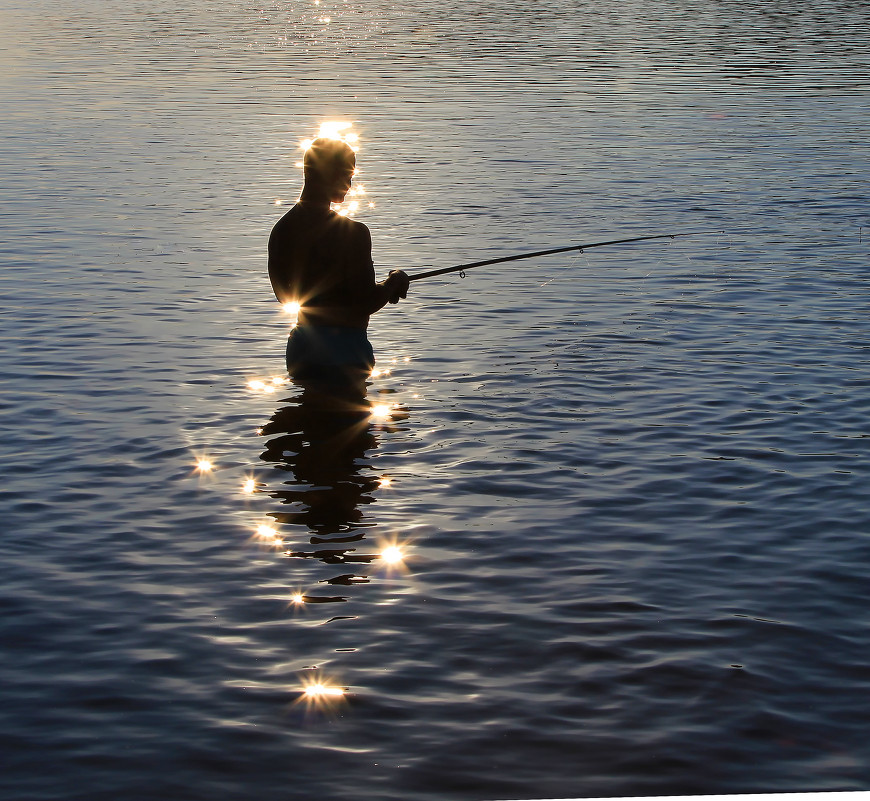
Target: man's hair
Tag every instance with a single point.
(327, 157)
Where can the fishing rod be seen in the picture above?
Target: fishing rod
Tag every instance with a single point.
(463, 267)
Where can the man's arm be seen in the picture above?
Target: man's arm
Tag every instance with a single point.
(277, 271)
(379, 293)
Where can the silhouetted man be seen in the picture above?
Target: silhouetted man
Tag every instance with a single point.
(323, 261)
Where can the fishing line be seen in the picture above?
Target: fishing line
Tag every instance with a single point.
(566, 267)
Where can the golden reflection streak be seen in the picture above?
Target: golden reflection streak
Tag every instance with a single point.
(321, 693)
(258, 385)
(317, 690)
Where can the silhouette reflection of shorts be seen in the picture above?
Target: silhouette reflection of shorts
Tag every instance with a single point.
(313, 350)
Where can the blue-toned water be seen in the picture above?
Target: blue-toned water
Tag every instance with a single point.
(629, 484)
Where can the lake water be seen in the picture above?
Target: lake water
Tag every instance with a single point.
(630, 484)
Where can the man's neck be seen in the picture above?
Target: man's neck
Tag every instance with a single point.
(313, 199)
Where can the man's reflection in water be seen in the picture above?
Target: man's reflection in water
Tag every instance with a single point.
(321, 438)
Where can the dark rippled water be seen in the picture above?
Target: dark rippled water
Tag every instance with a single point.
(630, 484)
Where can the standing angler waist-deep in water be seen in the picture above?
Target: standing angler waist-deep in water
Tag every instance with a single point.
(323, 261)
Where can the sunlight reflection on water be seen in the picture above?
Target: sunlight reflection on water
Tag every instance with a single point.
(625, 490)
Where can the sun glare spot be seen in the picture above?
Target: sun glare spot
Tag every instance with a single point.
(392, 555)
(268, 534)
(332, 128)
(204, 466)
(255, 384)
(320, 690)
(385, 482)
(381, 410)
(249, 486)
(292, 307)
(297, 598)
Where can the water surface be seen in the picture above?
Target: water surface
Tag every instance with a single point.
(630, 483)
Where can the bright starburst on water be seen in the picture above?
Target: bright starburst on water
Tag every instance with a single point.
(381, 411)
(322, 694)
(334, 129)
(392, 555)
(267, 534)
(320, 690)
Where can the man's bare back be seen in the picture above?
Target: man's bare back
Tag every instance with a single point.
(323, 261)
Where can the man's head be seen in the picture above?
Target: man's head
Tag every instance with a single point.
(328, 167)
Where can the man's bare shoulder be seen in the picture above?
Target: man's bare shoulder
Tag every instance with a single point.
(298, 220)
(291, 221)
(360, 230)
(350, 231)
